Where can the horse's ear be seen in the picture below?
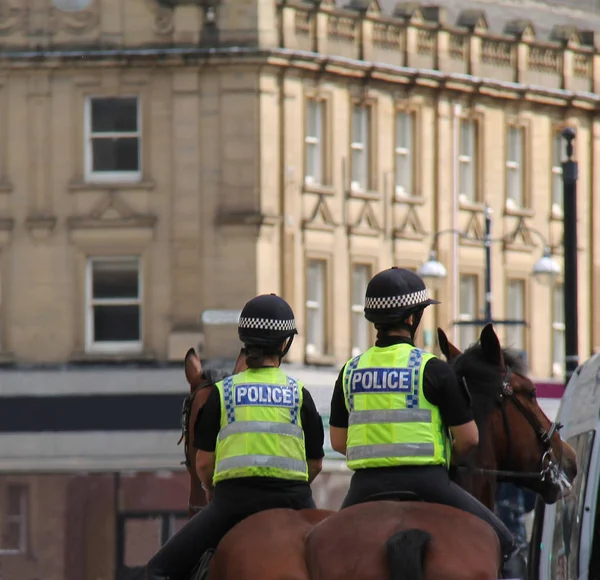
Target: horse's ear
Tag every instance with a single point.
(192, 366)
(447, 348)
(490, 346)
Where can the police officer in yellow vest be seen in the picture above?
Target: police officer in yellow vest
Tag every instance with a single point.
(393, 405)
(259, 439)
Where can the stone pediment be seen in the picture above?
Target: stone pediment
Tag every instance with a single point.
(112, 211)
(522, 29)
(473, 20)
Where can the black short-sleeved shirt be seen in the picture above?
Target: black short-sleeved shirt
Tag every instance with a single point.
(440, 387)
(208, 425)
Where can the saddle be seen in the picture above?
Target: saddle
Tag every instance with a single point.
(392, 496)
(200, 572)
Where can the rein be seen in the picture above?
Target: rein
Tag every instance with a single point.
(549, 468)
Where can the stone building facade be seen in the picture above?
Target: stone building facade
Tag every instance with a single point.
(164, 158)
(160, 158)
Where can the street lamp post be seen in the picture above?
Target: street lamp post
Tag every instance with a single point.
(569, 176)
(545, 270)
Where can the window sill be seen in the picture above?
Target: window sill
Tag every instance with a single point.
(318, 188)
(321, 360)
(473, 206)
(5, 187)
(91, 357)
(6, 359)
(408, 199)
(91, 185)
(514, 211)
(363, 194)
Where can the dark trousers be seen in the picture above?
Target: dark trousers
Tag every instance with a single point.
(431, 484)
(229, 506)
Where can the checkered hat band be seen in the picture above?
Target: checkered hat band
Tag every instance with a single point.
(267, 324)
(403, 301)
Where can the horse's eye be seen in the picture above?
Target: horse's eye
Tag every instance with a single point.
(533, 395)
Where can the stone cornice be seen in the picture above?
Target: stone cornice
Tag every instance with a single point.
(302, 59)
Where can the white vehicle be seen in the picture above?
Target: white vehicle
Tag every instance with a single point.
(565, 541)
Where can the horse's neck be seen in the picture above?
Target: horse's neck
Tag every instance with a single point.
(481, 486)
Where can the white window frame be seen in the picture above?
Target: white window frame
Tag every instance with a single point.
(313, 305)
(315, 143)
(514, 314)
(357, 309)
(110, 176)
(469, 160)
(515, 166)
(468, 316)
(363, 146)
(404, 187)
(106, 347)
(558, 152)
(22, 519)
(558, 329)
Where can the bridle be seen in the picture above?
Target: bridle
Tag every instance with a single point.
(550, 470)
(186, 412)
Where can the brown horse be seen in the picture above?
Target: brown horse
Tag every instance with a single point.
(411, 539)
(283, 532)
(201, 382)
(428, 541)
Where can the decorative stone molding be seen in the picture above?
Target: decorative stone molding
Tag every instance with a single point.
(421, 36)
(111, 212)
(21, 16)
(40, 226)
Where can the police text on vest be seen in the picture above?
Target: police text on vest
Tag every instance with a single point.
(378, 380)
(264, 395)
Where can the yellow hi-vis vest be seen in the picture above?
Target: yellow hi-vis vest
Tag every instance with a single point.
(261, 429)
(391, 423)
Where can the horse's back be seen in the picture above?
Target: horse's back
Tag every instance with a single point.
(268, 545)
(352, 544)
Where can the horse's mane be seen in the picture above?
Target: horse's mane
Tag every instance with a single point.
(215, 375)
(484, 379)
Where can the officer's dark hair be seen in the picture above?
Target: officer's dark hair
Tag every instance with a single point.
(384, 329)
(256, 355)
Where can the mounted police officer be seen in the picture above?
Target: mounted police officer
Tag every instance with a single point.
(393, 405)
(259, 439)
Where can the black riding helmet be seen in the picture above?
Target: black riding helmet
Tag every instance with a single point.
(266, 321)
(393, 295)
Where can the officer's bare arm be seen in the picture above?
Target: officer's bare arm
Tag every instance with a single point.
(314, 468)
(205, 468)
(466, 439)
(338, 437)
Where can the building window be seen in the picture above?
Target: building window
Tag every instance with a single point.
(360, 146)
(558, 156)
(515, 310)
(515, 191)
(114, 305)
(405, 141)
(316, 326)
(14, 512)
(314, 142)
(468, 301)
(558, 330)
(113, 139)
(361, 274)
(467, 160)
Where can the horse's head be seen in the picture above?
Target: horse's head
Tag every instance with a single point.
(201, 383)
(518, 442)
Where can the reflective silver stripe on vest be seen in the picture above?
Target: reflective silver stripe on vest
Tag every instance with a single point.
(260, 427)
(390, 416)
(242, 461)
(390, 450)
